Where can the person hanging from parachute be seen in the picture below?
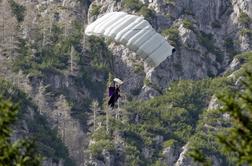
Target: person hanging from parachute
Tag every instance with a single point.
(114, 92)
(135, 33)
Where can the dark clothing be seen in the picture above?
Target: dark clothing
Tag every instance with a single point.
(115, 95)
(111, 91)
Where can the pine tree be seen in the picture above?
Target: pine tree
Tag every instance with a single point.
(237, 140)
(21, 152)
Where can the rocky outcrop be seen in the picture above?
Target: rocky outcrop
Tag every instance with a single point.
(183, 159)
(128, 67)
(202, 51)
(169, 155)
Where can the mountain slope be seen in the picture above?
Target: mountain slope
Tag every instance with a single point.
(44, 52)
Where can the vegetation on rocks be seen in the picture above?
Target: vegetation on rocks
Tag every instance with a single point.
(132, 4)
(173, 35)
(140, 8)
(46, 140)
(18, 152)
(49, 47)
(188, 24)
(228, 127)
(95, 10)
(172, 116)
(208, 41)
(17, 10)
(244, 19)
(245, 32)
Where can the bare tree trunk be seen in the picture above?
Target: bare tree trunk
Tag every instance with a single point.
(94, 119)
(65, 30)
(71, 59)
(3, 22)
(11, 46)
(107, 120)
(94, 107)
(50, 28)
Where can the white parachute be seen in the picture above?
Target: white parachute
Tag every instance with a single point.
(135, 33)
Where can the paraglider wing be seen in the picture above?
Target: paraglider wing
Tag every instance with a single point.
(135, 33)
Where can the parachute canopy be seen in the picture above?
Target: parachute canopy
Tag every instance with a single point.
(117, 80)
(135, 33)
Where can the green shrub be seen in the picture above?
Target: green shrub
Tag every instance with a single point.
(170, 2)
(100, 134)
(236, 140)
(174, 115)
(246, 59)
(134, 5)
(17, 10)
(169, 143)
(147, 13)
(244, 19)
(47, 142)
(138, 68)
(229, 46)
(95, 10)
(172, 34)
(147, 82)
(132, 155)
(97, 148)
(245, 32)
(19, 152)
(188, 24)
(208, 42)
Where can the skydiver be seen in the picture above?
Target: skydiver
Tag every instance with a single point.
(114, 95)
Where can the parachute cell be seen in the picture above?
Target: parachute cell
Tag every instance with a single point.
(135, 33)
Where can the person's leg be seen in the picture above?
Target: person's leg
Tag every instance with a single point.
(113, 105)
(110, 100)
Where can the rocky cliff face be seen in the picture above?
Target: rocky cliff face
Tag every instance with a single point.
(209, 34)
(54, 91)
(206, 34)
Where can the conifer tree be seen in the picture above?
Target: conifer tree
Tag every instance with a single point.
(21, 152)
(237, 140)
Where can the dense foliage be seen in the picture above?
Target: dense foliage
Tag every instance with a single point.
(52, 51)
(47, 142)
(237, 140)
(21, 152)
(244, 19)
(173, 35)
(227, 128)
(188, 24)
(172, 117)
